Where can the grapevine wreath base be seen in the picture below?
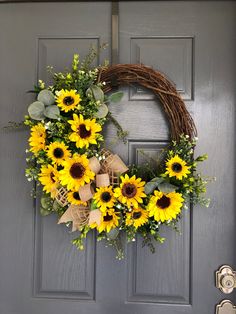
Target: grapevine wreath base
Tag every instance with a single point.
(87, 185)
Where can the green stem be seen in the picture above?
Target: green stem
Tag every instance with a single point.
(120, 132)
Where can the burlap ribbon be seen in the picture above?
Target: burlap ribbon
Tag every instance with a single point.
(107, 173)
(78, 215)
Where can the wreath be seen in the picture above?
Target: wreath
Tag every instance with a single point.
(86, 184)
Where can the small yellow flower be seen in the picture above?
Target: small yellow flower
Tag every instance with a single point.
(37, 138)
(68, 99)
(165, 207)
(49, 178)
(131, 191)
(76, 172)
(58, 152)
(84, 131)
(177, 167)
(104, 197)
(137, 217)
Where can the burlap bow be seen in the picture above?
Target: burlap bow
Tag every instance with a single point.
(107, 173)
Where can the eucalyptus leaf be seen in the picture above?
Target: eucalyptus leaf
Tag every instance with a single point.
(113, 234)
(96, 92)
(36, 110)
(102, 111)
(157, 180)
(52, 112)
(115, 97)
(46, 97)
(152, 185)
(166, 187)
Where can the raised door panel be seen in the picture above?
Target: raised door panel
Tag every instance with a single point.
(61, 271)
(170, 55)
(163, 277)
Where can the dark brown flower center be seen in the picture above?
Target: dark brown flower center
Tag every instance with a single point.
(137, 215)
(77, 171)
(68, 100)
(52, 177)
(108, 217)
(129, 190)
(83, 132)
(58, 152)
(163, 202)
(106, 197)
(176, 167)
(76, 196)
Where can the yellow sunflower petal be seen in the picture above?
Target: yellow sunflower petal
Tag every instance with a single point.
(68, 100)
(131, 191)
(76, 172)
(84, 131)
(165, 207)
(177, 167)
(58, 152)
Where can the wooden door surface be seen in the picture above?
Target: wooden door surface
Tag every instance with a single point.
(193, 43)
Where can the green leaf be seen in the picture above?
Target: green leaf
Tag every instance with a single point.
(113, 234)
(93, 205)
(96, 92)
(115, 97)
(166, 187)
(44, 212)
(201, 158)
(102, 111)
(157, 180)
(46, 201)
(46, 97)
(55, 206)
(36, 110)
(152, 185)
(52, 112)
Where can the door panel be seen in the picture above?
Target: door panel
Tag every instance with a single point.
(38, 263)
(194, 45)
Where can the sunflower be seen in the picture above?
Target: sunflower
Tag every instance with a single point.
(49, 179)
(68, 99)
(137, 217)
(76, 172)
(58, 152)
(110, 220)
(131, 191)
(74, 198)
(84, 131)
(177, 167)
(165, 206)
(104, 197)
(37, 138)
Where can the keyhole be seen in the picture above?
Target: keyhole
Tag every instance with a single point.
(228, 283)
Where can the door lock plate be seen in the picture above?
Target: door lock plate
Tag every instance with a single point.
(226, 279)
(226, 307)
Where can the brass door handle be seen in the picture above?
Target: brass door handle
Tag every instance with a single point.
(226, 307)
(226, 279)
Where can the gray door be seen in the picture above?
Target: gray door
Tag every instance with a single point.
(193, 43)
